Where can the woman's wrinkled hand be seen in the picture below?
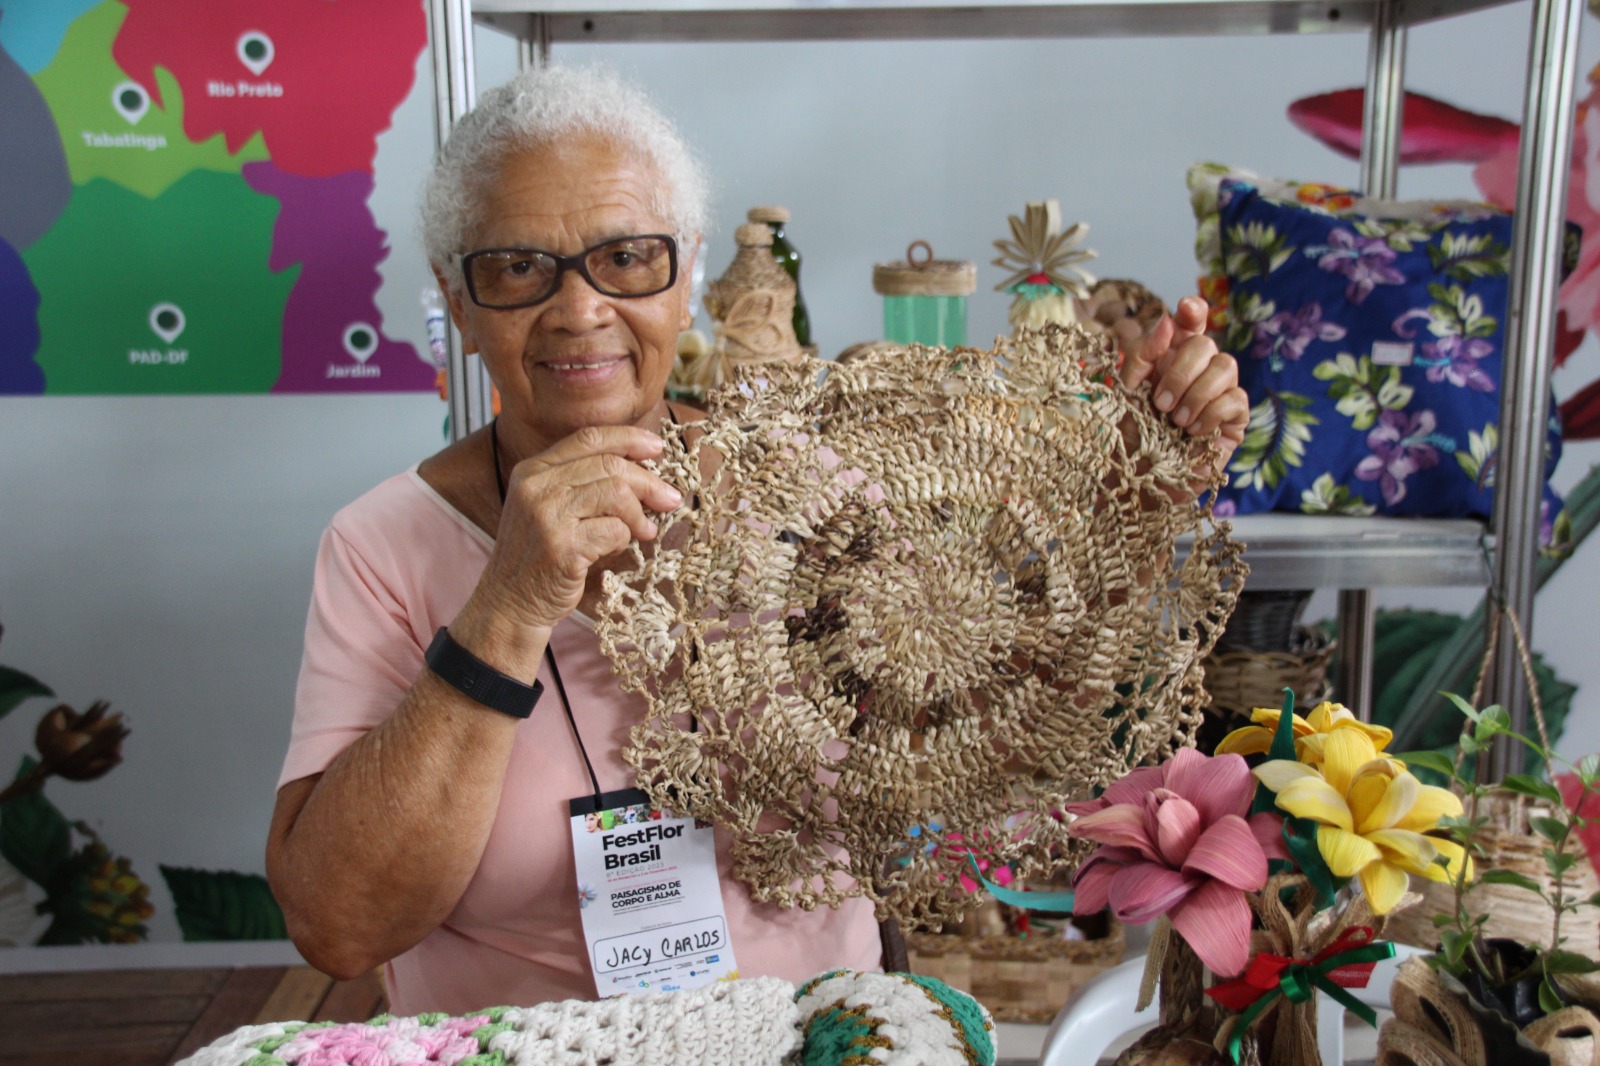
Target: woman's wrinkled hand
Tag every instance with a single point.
(1190, 380)
(567, 508)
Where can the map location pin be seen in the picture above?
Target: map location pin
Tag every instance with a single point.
(166, 319)
(131, 101)
(360, 340)
(255, 51)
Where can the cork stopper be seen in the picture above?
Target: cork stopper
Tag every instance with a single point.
(768, 213)
(753, 235)
(923, 275)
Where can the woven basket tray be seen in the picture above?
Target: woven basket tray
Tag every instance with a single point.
(1514, 913)
(1020, 979)
(1240, 680)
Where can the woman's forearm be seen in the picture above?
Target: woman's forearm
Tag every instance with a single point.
(370, 856)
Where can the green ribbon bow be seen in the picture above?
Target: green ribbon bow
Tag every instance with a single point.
(1298, 982)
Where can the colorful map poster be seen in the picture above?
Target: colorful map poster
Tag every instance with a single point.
(187, 191)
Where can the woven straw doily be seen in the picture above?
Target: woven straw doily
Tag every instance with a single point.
(916, 607)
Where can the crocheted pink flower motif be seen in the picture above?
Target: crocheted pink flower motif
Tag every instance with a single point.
(1175, 840)
(397, 1042)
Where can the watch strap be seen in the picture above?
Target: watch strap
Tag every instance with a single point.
(479, 681)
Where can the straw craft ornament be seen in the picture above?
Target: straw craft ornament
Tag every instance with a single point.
(1047, 277)
(921, 601)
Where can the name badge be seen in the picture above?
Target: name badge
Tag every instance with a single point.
(650, 896)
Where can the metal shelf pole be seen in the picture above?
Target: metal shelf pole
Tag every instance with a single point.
(455, 91)
(1536, 241)
(1382, 112)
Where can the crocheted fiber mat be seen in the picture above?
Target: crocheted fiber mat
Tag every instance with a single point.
(842, 1018)
(921, 603)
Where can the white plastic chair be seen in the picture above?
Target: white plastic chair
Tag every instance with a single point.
(1101, 1011)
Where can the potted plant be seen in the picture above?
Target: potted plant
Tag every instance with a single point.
(1524, 998)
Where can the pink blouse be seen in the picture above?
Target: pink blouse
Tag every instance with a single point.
(392, 568)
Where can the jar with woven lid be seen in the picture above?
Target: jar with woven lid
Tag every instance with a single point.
(925, 299)
(775, 217)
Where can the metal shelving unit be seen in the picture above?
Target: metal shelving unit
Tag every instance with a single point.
(1285, 551)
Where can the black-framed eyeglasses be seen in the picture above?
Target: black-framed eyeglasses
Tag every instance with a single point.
(506, 278)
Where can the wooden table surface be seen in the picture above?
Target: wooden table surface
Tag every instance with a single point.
(154, 1017)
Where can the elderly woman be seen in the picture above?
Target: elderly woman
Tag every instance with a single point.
(422, 819)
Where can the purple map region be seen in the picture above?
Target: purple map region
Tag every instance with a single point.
(33, 165)
(331, 329)
(19, 327)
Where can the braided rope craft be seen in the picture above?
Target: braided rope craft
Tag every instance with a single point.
(921, 600)
(839, 1018)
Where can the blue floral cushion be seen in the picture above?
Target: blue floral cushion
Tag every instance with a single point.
(1369, 340)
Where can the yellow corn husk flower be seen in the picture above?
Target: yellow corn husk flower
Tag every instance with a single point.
(1310, 732)
(1371, 815)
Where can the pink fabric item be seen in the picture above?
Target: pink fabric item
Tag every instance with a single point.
(395, 566)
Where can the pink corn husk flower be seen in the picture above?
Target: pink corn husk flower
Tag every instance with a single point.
(1178, 840)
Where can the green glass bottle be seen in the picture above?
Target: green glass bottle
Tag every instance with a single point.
(789, 258)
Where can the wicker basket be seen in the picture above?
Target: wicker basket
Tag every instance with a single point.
(1514, 913)
(1265, 620)
(1020, 979)
(1240, 680)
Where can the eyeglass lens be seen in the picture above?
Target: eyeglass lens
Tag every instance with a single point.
(517, 277)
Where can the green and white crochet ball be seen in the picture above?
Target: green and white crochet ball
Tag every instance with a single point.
(891, 1019)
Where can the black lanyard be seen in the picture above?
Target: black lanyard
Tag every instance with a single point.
(549, 649)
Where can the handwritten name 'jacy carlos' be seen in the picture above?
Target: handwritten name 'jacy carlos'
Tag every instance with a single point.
(638, 847)
(672, 946)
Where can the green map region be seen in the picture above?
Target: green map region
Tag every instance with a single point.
(143, 296)
(119, 135)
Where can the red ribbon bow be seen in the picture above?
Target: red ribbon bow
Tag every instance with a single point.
(1265, 971)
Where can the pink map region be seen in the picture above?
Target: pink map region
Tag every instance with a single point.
(325, 226)
(335, 75)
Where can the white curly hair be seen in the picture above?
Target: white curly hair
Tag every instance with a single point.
(537, 107)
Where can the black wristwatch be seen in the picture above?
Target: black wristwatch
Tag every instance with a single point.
(473, 677)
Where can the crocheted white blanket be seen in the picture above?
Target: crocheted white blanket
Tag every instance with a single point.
(839, 1017)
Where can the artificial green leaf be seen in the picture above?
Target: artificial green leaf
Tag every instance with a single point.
(34, 836)
(1461, 705)
(1437, 761)
(1454, 666)
(1528, 785)
(1452, 945)
(16, 686)
(1405, 642)
(223, 905)
(1549, 998)
(1510, 877)
(1300, 838)
(1559, 863)
(1589, 769)
(1492, 721)
(1563, 961)
(1283, 737)
(1552, 829)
